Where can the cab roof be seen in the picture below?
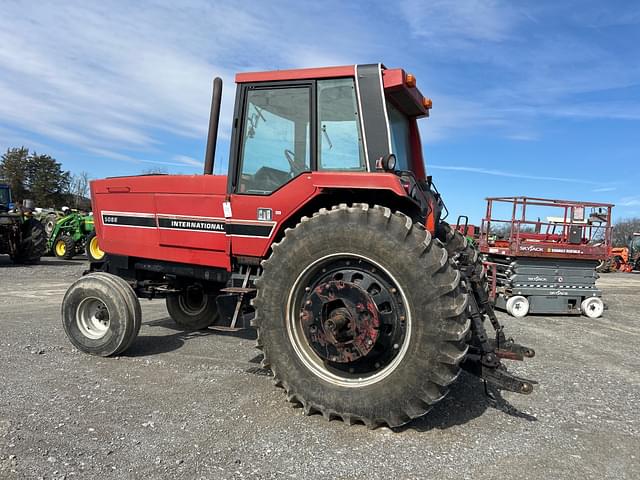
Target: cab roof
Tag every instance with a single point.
(392, 76)
(394, 81)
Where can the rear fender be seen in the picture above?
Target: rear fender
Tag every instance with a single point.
(333, 188)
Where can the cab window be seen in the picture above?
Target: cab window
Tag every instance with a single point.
(276, 143)
(400, 142)
(339, 139)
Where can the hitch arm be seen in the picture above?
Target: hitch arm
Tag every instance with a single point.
(504, 380)
(498, 376)
(509, 350)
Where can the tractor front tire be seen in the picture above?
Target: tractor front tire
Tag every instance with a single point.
(98, 315)
(33, 243)
(64, 247)
(366, 263)
(94, 252)
(193, 308)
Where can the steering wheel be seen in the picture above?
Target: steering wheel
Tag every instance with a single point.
(296, 167)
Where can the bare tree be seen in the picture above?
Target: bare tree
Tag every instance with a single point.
(79, 188)
(624, 230)
(154, 171)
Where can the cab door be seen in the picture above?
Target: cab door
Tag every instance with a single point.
(275, 146)
(286, 132)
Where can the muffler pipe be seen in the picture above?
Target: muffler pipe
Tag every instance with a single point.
(214, 118)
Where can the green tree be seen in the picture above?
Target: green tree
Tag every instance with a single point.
(46, 182)
(13, 171)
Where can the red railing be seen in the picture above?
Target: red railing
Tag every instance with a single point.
(572, 229)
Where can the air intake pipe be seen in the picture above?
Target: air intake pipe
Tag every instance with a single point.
(214, 118)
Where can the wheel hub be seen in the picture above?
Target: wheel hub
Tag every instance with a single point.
(348, 321)
(341, 321)
(92, 318)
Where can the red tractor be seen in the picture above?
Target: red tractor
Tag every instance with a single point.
(326, 229)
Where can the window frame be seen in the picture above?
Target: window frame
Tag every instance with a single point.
(359, 126)
(239, 127)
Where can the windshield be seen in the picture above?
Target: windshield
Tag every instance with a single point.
(5, 198)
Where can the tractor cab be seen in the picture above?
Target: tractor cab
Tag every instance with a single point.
(6, 202)
(345, 119)
(336, 122)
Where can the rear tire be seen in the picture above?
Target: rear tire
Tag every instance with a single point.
(50, 223)
(392, 386)
(193, 309)
(33, 243)
(64, 247)
(97, 315)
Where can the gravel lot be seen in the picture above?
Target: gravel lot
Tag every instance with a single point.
(198, 406)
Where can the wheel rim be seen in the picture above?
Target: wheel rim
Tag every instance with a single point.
(594, 307)
(348, 320)
(519, 307)
(95, 250)
(61, 248)
(92, 318)
(193, 301)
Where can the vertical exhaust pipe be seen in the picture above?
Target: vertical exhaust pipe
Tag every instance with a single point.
(214, 118)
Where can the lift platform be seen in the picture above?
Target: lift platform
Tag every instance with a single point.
(541, 254)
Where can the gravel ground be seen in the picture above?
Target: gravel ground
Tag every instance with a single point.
(180, 405)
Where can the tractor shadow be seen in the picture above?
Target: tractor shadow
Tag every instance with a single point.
(5, 262)
(466, 401)
(147, 345)
(54, 262)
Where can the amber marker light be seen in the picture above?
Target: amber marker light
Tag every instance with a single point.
(410, 80)
(427, 103)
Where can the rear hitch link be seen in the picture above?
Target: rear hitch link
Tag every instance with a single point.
(485, 354)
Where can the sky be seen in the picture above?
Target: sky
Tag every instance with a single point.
(538, 98)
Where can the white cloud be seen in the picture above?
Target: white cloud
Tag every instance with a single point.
(629, 202)
(605, 189)
(125, 77)
(461, 20)
(518, 67)
(183, 159)
(503, 173)
(122, 76)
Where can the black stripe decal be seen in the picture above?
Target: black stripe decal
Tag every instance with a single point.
(195, 224)
(188, 224)
(249, 230)
(127, 220)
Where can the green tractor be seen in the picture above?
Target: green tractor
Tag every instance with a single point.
(71, 234)
(22, 237)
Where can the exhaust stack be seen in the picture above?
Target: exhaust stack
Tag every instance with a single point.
(214, 118)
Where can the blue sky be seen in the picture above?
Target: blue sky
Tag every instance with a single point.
(536, 98)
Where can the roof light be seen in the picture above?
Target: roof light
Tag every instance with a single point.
(427, 103)
(410, 80)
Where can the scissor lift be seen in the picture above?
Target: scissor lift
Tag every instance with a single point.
(543, 259)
